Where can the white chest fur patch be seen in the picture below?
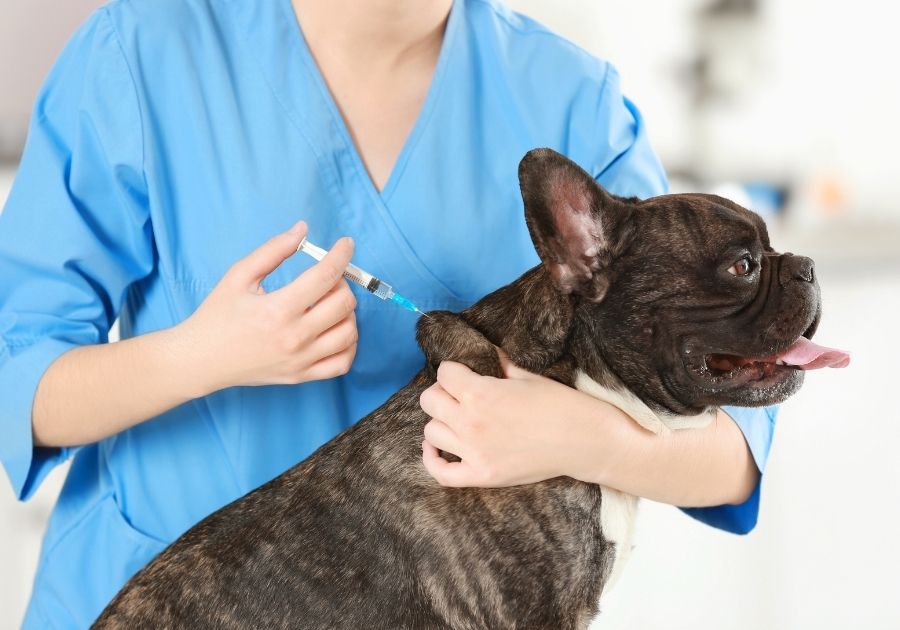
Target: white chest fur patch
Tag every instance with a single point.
(633, 406)
(617, 509)
(618, 512)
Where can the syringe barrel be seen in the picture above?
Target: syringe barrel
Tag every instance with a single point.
(381, 288)
(368, 282)
(360, 277)
(353, 273)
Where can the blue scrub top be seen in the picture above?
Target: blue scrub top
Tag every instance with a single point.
(175, 136)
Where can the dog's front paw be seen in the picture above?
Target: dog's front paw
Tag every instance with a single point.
(446, 336)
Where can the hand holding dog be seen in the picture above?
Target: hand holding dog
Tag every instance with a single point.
(527, 428)
(517, 430)
(304, 331)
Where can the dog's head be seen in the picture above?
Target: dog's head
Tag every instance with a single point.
(682, 295)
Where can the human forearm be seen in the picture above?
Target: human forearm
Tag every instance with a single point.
(688, 468)
(527, 428)
(240, 335)
(92, 392)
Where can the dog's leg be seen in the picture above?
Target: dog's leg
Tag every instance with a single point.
(445, 336)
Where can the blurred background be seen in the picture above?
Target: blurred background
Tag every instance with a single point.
(789, 107)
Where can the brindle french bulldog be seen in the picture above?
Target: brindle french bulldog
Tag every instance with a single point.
(668, 307)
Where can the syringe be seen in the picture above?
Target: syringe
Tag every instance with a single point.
(363, 278)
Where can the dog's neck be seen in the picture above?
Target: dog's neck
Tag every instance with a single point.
(528, 318)
(539, 329)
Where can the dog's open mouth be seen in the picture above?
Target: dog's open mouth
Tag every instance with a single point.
(803, 354)
(728, 365)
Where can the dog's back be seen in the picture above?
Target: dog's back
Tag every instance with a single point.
(359, 536)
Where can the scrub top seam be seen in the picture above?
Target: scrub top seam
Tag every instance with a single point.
(364, 179)
(291, 115)
(69, 529)
(537, 29)
(297, 35)
(290, 30)
(209, 419)
(331, 177)
(20, 343)
(604, 87)
(156, 263)
(430, 104)
(340, 124)
(39, 613)
(137, 99)
(337, 121)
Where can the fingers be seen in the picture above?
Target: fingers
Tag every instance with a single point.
(337, 305)
(510, 369)
(458, 380)
(251, 270)
(314, 283)
(437, 403)
(331, 366)
(336, 339)
(454, 474)
(441, 436)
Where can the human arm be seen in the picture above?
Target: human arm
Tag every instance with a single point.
(527, 428)
(76, 243)
(238, 336)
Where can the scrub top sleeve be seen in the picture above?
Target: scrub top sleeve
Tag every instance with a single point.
(74, 234)
(758, 427)
(627, 165)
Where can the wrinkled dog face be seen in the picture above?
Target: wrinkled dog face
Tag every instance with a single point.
(683, 295)
(713, 303)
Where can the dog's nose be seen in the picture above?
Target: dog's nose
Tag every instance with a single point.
(797, 268)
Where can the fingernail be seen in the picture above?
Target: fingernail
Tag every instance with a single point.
(298, 228)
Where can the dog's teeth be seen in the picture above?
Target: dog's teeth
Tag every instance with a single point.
(779, 362)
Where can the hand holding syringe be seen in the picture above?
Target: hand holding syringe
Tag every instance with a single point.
(364, 279)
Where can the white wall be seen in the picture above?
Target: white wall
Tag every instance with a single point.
(820, 93)
(32, 32)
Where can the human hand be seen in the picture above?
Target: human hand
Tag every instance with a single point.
(304, 331)
(512, 431)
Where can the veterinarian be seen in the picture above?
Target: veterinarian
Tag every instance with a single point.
(171, 141)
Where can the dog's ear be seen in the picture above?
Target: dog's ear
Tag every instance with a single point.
(577, 227)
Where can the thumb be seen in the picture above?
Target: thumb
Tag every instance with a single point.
(510, 369)
(265, 259)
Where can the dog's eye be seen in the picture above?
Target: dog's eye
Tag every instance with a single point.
(741, 267)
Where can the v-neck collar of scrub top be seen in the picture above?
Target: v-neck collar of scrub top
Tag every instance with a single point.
(297, 48)
(292, 73)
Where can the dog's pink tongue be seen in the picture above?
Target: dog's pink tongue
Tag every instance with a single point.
(806, 355)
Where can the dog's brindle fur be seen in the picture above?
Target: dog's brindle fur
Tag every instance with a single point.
(360, 536)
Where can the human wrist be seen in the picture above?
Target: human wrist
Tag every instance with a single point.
(599, 440)
(194, 372)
